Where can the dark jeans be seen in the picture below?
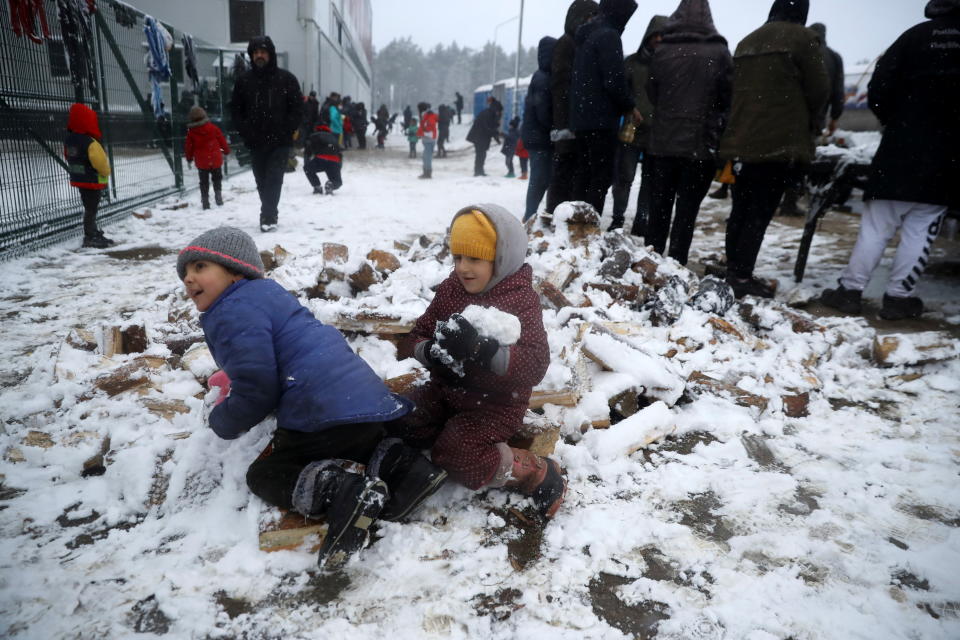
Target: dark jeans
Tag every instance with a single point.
(524, 163)
(509, 162)
(541, 167)
(756, 196)
(442, 139)
(313, 166)
(597, 148)
(273, 477)
(569, 174)
(686, 182)
(91, 202)
(480, 156)
(362, 137)
(625, 169)
(268, 169)
(206, 175)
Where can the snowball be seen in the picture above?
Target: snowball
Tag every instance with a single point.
(493, 323)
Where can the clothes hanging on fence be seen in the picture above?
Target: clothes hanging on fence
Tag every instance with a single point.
(74, 17)
(125, 16)
(24, 15)
(190, 61)
(159, 41)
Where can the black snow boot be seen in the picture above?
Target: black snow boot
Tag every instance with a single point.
(96, 242)
(350, 501)
(411, 477)
(895, 308)
(845, 300)
(218, 198)
(749, 287)
(205, 201)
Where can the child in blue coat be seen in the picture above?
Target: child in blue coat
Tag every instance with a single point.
(329, 456)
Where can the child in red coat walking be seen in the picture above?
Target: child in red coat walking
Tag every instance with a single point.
(206, 145)
(479, 389)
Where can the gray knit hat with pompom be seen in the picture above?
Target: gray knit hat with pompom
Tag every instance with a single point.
(227, 246)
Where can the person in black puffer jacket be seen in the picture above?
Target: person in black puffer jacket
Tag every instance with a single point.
(690, 87)
(537, 122)
(599, 95)
(267, 107)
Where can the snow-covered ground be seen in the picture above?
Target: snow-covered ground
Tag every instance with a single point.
(744, 524)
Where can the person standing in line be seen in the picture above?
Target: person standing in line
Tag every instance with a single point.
(535, 129)
(206, 145)
(444, 116)
(311, 109)
(459, 105)
(333, 118)
(637, 68)
(689, 86)
(568, 171)
(267, 108)
(427, 132)
(89, 169)
(779, 87)
(485, 126)
(360, 126)
(915, 93)
(599, 96)
(509, 147)
(412, 138)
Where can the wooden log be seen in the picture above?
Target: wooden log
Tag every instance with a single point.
(615, 290)
(135, 374)
(722, 325)
(335, 253)
(165, 408)
(372, 322)
(404, 384)
(796, 405)
(914, 348)
(553, 295)
(568, 397)
(82, 339)
(703, 382)
(291, 531)
(363, 278)
(133, 339)
(383, 261)
(112, 342)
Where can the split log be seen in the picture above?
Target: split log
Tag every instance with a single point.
(335, 253)
(537, 435)
(82, 339)
(795, 406)
(617, 291)
(363, 278)
(290, 532)
(199, 361)
(135, 374)
(166, 409)
(404, 384)
(383, 261)
(372, 322)
(914, 348)
(553, 295)
(133, 339)
(724, 326)
(701, 381)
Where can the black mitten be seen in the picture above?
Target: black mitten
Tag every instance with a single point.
(457, 337)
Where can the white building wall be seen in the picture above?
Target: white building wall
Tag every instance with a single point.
(305, 33)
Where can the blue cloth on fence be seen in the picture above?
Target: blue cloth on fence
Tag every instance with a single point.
(158, 64)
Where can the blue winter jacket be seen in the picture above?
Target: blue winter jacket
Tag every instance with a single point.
(281, 358)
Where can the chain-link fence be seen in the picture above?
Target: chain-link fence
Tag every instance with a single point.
(54, 53)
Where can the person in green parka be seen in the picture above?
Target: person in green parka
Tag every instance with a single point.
(780, 85)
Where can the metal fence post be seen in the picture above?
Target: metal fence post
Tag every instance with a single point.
(105, 110)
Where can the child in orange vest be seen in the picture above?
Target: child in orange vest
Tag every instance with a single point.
(89, 169)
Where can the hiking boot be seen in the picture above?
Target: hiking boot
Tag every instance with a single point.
(410, 476)
(615, 223)
(523, 176)
(842, 299)
(540, 478)
(510, 174)
(318, 190)
(328, 187)
(354, 508)
(720, 193)
(205, 203)
(218, 198)
(749, 287)
(896, 308)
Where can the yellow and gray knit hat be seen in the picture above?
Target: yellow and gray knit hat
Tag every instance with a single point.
(227, 246)
(473, 235)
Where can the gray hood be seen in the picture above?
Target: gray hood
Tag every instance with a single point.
(511, 240)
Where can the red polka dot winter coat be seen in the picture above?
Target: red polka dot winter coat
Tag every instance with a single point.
(529, 357)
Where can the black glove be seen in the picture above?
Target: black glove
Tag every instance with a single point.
(461, 341)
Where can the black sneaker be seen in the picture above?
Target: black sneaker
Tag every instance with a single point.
(900, 308)
(749, 287)
(318, 190)
(95, 242)
(842, 299)
(357, 504)
(411, 477)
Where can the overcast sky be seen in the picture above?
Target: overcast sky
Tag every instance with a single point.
(857, 29)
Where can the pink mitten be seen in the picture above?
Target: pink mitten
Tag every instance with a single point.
(222, 381)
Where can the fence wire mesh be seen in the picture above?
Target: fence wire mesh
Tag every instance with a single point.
(99, 59)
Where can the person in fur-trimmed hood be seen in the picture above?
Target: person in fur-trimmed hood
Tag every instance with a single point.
(479, 389)
(206, 145)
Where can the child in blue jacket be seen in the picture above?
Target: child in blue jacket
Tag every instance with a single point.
(329, 456)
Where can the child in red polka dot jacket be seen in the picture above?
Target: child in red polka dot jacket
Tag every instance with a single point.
(479, 389)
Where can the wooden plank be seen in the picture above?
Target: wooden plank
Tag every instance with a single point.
(371, 323)
(290, 532)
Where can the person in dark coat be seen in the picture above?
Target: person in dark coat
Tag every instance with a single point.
(407, 117)
(915, 93)
(323, 154)
(444, 117)
(485, 126)
(275, 357)
(267, 108)
(458, 103)
(536, 126)
(360, 123)
(599, 95)
(509, 147)
(779, 87)
(311, 109)
(637, 69)
(830, 114)
(689, 86)
(382, 123)
(569, 172)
